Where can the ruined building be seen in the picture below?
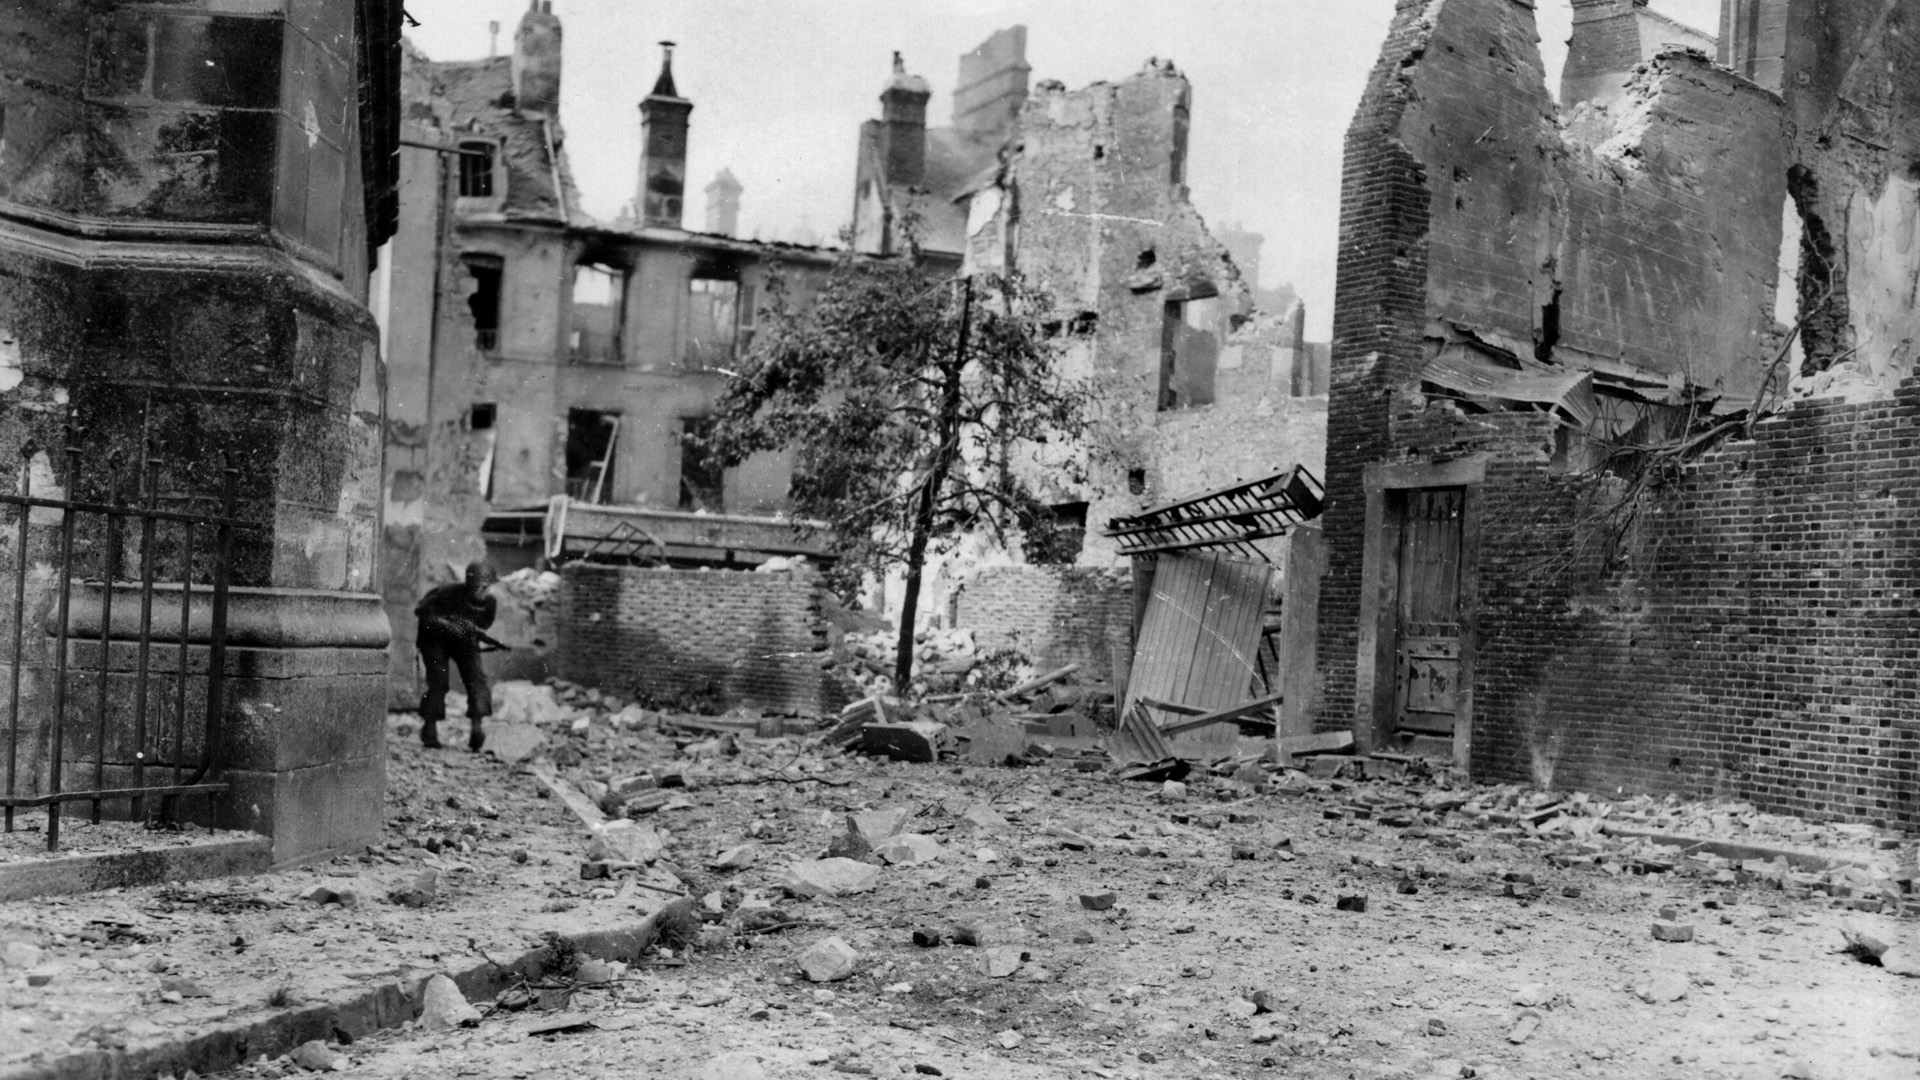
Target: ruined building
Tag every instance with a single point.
(907, 172)
(535, 352)
(191, 195)
(1597, 517)
(1092, 205)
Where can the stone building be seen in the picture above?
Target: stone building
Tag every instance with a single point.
(536, 352)
(1596, 517)
(1200, 389)
(191, 195)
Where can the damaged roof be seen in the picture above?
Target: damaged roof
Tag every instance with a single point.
(478, 95)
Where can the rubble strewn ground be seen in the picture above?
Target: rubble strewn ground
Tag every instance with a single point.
(1020, 922)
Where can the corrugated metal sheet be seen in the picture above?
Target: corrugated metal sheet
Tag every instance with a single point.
(1200, 636)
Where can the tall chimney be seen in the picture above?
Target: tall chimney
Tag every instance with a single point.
(903, 125)
(723, 204)
(992, 84)
(536, 60)
(663, 148)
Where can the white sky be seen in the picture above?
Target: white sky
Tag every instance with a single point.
(780, 88)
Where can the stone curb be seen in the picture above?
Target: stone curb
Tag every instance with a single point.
(354, 1017)
(66, 876)
(1732, 849)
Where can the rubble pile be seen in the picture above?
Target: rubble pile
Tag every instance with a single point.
(945, 661)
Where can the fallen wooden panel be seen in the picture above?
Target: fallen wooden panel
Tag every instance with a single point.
(1138, 742)
(1200, 635)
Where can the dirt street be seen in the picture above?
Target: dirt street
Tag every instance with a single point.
(1234, 944)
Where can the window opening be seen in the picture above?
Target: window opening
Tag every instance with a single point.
(484, 304)
(718, 309)
(1190, 336)
(599, 298)
(480, 419)
(591, 438)
(702, 478)
(476, 170)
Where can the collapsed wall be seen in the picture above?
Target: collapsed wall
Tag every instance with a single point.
(701, 637)
(1053, 615)
(1571, 318)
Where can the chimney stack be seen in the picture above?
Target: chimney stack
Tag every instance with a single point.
(723, 204)
(992, 85)
(663, 148)
(903, 125)
(536, 60)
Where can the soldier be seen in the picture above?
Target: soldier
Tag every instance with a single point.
(453, 619)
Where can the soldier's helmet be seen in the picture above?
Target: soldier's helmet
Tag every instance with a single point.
(480, 575)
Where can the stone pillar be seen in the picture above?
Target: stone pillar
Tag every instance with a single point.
(189, 198)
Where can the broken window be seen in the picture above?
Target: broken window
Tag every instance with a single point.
(1189, 352)
(480, 419)
(476, 170)
(591, 438)
(486, 271)
(1061, 536)
(719, 321)
(702, 479)
(599, 309)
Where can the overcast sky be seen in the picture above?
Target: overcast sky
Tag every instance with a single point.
(780, 87)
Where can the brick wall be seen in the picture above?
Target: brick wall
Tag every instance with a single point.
(758, 640)
(1055, 615)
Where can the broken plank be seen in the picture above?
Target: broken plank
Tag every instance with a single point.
(575, 799)
(1245, 709)
(1168, 706)
(1028, 687)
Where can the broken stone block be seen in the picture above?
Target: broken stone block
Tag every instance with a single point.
(969, 933)
(1007, 1039)
(1533, 995)
(985, 818)
(828, 960)
(625, 841)
(1069, 839)
(593, 972)
(738, 857)
(1173, 791)
(444, 1006)
(926, 937)
(316, 1056)
(909, 849)
(324, 895)
(830, 877)
(1666, 930)
(1865, 939)
(999, 961)
(1100, 901)
(916, 740)
(1351, 903)
(513, 743)
(1663, 987)
(1901, 960)
(1524, 1028)
(424, 890)
(874, 826)
(21, 954)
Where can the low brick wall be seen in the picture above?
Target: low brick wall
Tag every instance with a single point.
(1056, 615)
(730, 637)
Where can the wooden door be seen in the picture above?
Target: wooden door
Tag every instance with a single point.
(1428, 668)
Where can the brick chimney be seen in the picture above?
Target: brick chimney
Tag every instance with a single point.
(903, 125)
(723, 204)
(663, 148)
(536, 60)
(993, 84)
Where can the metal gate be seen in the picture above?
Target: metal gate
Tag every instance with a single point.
(1428, 668)
(197, 550)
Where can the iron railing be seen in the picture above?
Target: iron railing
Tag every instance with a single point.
(117, 516)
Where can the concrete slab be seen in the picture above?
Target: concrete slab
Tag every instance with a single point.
(59, 875)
